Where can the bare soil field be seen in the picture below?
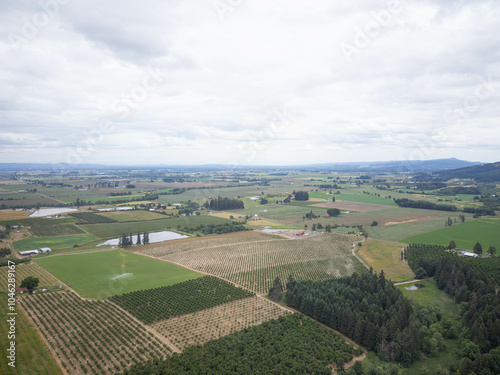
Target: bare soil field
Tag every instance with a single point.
(351, 206)
(215, 322)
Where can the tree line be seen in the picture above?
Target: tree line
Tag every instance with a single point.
(222, 204)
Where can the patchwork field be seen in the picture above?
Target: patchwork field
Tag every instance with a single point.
(94, 337)
(209, 324)
(32, 356)
(485, 231)
(24, 270)
(386, 256)
(102, 274)
(117, 229)
(256, 263)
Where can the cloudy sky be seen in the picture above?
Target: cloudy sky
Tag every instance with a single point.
(248, 82)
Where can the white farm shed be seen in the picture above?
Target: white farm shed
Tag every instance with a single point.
(45, 249)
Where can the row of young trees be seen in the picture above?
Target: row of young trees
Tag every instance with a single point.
(128, 240)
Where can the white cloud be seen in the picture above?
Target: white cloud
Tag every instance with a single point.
(410, 91)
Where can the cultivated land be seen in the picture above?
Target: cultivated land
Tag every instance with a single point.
(87, 334)
(93, 337)
(55, 243)
(32, 355)
(255, 264)
(118, 229)
(24, 270)
(485, 231)
(386, 256)
(202, 326)
(102, 274)
(133, 215)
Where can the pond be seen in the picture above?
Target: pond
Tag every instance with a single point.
(153, 238)
(51, 211)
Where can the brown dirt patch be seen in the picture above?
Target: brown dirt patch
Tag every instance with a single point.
(427, 218)
(352, 206)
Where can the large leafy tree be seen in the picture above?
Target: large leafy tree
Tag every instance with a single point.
(30, 283)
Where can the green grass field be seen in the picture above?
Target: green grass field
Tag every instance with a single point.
(55, 243)
(485, 231)
(431, 295)
(117, 229)
(105, 198)
(32, 356)
(386, 256)
(97, 275)
(398, 232)
(354, 197)
(133, 215)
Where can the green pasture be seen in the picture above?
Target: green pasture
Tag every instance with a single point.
(111, 230)
(101, 274)
(354, 197)
(485, 231)
(55, 243)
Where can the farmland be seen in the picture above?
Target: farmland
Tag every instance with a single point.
(32, 355)
(292, 344)
(132, 215)
(94, 337)
(189, 296)
(117, 229)
(484, 231)
(91, 218)
(255, 264)
(386, 256)
(210, 324)
(55, 243)
(106, 273)
(28, 269)
(55, 230)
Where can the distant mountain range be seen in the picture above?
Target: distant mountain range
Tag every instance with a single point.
(377, 166)
(485, 173)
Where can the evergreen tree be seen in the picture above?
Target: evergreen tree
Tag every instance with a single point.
(492, 250)
(138, 239)
(276, 290)
(478, 249)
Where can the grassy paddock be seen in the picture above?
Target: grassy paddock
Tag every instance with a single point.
(386, 256)
(97, 275)
(132, 215)
(55, 243)
(485, 231)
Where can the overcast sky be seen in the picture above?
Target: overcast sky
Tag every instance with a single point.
(248, 82)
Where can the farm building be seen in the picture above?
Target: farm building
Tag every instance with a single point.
(22, 290)
(472, 255)
(326, 216)
(45, 249)
(255, 217)
(28, 252)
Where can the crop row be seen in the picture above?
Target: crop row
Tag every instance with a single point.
(24, 270)
(202, 326)
(156, 304)
(91, 218)
(171, 247)
(93, 337)
(254, 265)
(55, 230)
